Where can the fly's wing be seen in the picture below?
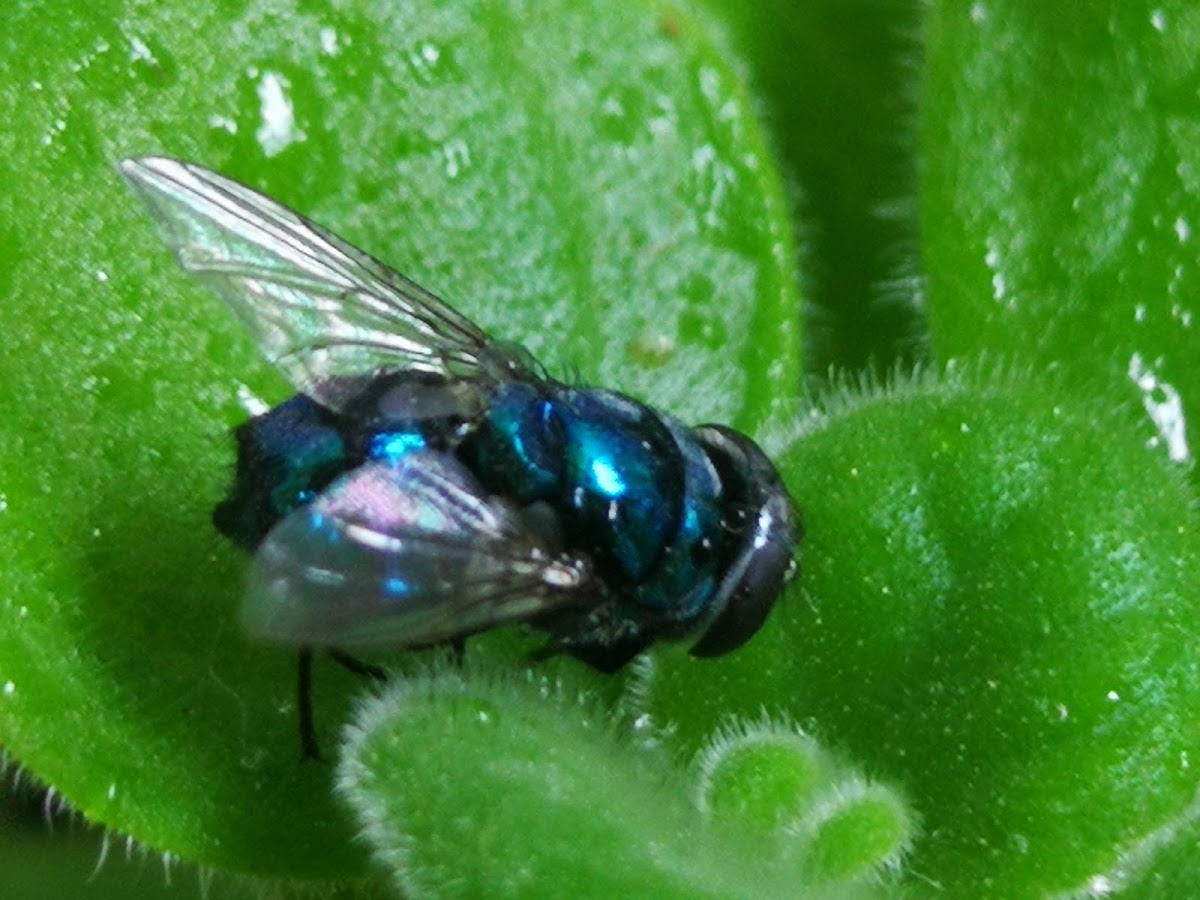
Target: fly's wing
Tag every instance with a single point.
(322, 311)
(404, 554)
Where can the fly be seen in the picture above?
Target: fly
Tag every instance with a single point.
(428, 482)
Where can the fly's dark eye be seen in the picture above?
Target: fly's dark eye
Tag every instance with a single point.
(761, 515)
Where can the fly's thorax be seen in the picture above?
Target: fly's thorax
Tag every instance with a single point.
(680, 590)
(610, 469)
(543, 521)
(622, 484)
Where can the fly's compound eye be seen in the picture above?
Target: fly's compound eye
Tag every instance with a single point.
(764, 514)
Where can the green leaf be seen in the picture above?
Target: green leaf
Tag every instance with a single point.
(483, 786)
(996, 613)
(838, 81)
(859, 832)
(1061, 192)
(761, 775)
(773, 782)
(586, 179)
(1060, 201)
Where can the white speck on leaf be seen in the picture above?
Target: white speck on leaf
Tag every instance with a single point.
(278, 129)
(1164, 406)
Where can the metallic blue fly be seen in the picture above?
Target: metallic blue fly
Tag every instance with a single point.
(429, 483)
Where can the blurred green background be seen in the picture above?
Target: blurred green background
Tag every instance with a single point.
(46, 852)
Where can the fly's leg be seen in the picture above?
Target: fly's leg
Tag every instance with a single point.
(357, 666)
(608, 658)
(304, 703)
(308, 732)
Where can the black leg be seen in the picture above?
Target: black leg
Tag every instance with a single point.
(606, 659)
(548, 650)
(611, 658)
(357, 666)
(308, 732)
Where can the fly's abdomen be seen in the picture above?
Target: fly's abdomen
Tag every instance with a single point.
(285, 458)
(517, 448)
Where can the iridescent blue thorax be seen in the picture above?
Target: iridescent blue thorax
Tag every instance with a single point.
(631, 488)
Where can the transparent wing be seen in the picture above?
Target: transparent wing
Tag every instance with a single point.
(404, 555)
(321, 310)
